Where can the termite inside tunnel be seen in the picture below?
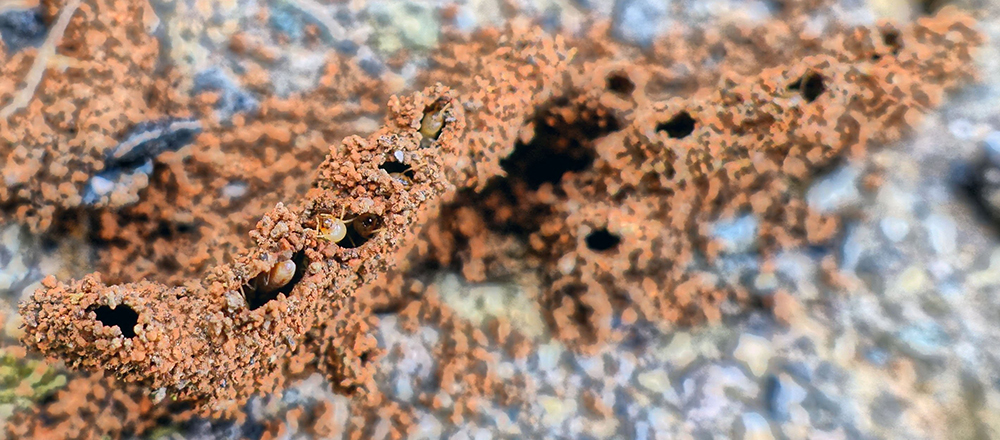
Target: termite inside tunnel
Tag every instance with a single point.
(281, 278)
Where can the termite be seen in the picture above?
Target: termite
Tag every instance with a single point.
(433, 121)
(367, 225)
(332, 228)
(336, 229)
(279, 275)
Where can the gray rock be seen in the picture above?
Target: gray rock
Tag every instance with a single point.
(149, 139)
(465, 19)
(780, 393)
(639, 21)
(924, 340)
(347, 47)
(235, 190)
(754, 352)
(716, 394)
(233, 99)
(765, 283)
(736, 235)
(895, 229)
(22, 28)
(655, 380)
(286, 22)
(825, 413)
(403, 387)
(755, 427)
(991, 146)
(372, 66)
(877, 356)
(114, 179)
(962, 129)
(853, 247)
(101, 185)
(549, 357)
(835, 191)
(291, 396)
(886, 410)
(942, 232)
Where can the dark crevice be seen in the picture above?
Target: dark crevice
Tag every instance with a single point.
(538, 163)
(810, 85)
(602, 240)
(399, 172)
(621, 84)
(148, 139)
(564, 131)
(257, 296)
(122, 317)
(557, 148)
(395, 167)
(678, 127)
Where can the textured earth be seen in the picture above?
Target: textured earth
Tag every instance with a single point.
(901, 348)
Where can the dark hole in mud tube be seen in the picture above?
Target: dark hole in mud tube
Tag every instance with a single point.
(810, 85)
(395, 167)
(399, 172)
(257, 295)
(678, 127)
(620, 83)
(601, 240)
(557, 149)
(122, 317)
(361, 229)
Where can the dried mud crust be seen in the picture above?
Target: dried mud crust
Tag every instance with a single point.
(198, 207)
(650, 153)
(612, 191)
(170, 337)
(618, 226)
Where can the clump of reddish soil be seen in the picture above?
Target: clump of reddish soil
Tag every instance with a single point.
(593, 165)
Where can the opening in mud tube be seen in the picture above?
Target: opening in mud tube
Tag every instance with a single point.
(266, 286)
(678, 127)
(122, 316)
(557, 147)
(620, 83)
(391, 166)
(601, 240)
(810, 85)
